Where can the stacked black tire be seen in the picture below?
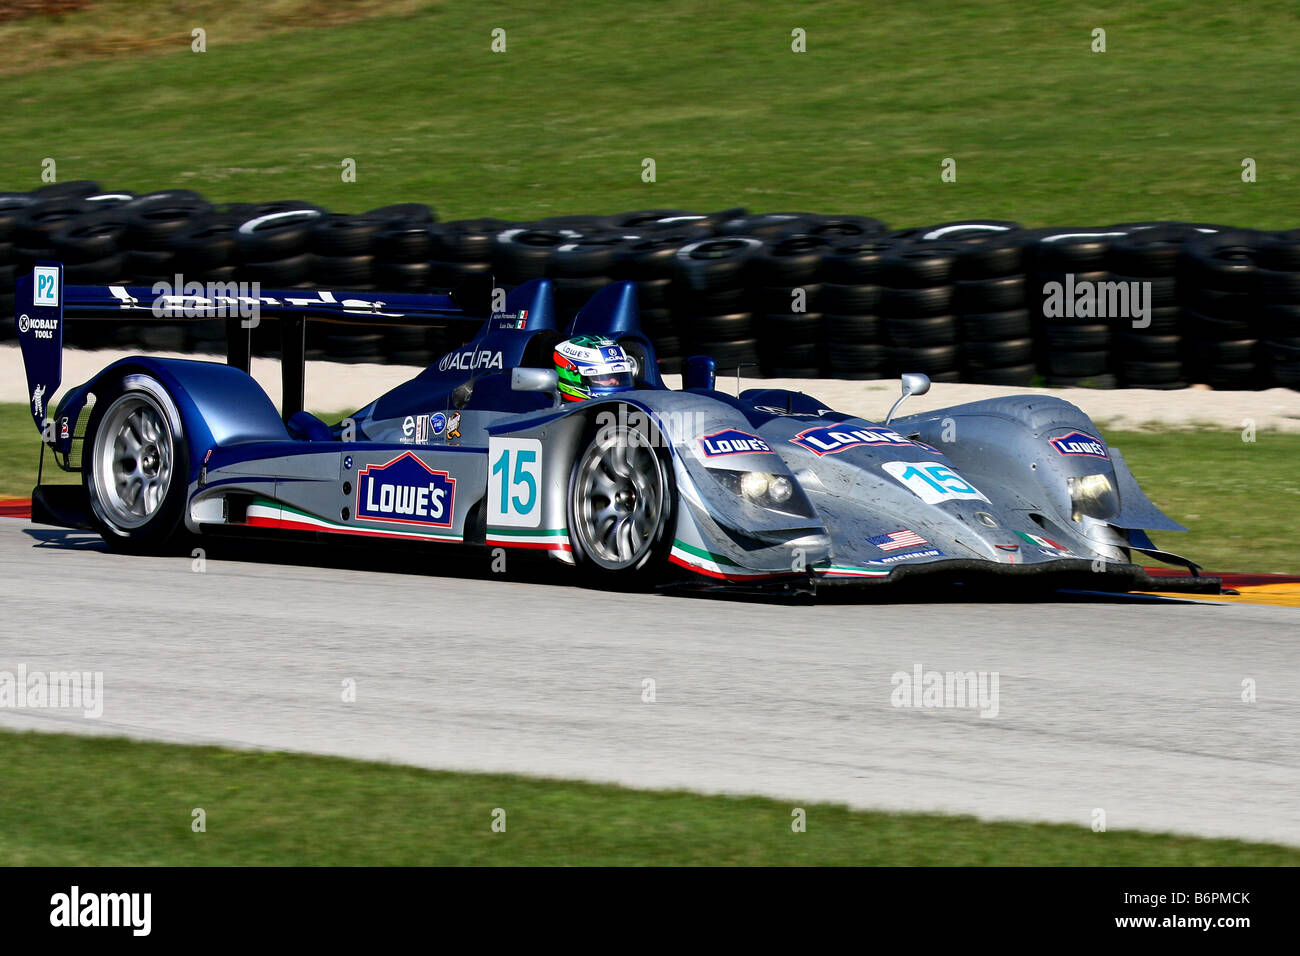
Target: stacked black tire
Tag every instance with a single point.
(1219, 289)
(711, 301)
(11, 209)
(850, 297)
(1074, 345)
(1149, 350)
(779, 294)
(650, 262)
(996, 346)
(1279, 288)
(791, 333)
(916, 307)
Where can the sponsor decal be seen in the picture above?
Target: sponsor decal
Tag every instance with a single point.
(41, 328)
(1080, 444)
(407, 491)
(928, 553)
(347, 462)
(471, 360)
(438, 423)
(733, 442)
(1046, 545)
(422, 430)
(38, 400)
(408, 430)
(453, 426)
(63, 427)
(831, 439)
(907, 538)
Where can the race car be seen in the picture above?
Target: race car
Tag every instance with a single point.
(566, 441)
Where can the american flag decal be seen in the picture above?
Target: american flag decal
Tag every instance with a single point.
(907, 538)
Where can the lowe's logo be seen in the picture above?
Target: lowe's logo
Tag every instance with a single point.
(1080, 444)
(406, 490)
(732, 442)
(829, 439)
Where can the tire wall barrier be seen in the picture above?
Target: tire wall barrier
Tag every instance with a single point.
(792, 295)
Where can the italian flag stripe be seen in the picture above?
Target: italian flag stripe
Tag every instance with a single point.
(263, 513)
(541, 539)
(847, 571)
(715, 565)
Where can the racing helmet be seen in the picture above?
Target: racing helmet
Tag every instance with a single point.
(591, 365)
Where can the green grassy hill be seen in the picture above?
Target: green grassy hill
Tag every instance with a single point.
(1043, 130)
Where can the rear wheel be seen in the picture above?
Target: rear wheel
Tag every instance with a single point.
(137, 468)
(620, 503)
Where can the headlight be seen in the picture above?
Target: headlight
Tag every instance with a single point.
(753, 485)
(1094, 496)
(764, 489)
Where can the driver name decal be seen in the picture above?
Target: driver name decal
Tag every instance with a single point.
(407, 491)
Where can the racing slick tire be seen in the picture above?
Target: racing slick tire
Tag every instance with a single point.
(136, 469)
(621, 503)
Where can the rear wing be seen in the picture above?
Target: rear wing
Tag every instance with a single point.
(42, 303)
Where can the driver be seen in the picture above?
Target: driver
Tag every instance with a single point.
(591, 365)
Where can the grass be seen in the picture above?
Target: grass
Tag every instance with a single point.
(288, 809)
(1043, 130)
(1239, 499)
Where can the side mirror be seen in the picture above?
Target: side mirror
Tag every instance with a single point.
(534, 380)
(914, 383)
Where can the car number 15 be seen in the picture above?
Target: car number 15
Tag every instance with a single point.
(514, 482)
(932, 481)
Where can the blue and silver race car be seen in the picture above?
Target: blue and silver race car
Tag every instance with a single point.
(567, 441)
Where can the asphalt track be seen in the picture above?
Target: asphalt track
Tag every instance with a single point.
(1127, 704)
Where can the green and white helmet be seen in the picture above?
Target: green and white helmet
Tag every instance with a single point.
(591, 365)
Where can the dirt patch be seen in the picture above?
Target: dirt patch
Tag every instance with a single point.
(69, 31)
(21, 9)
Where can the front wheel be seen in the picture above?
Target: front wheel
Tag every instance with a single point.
(138, 466)
(620, 505)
